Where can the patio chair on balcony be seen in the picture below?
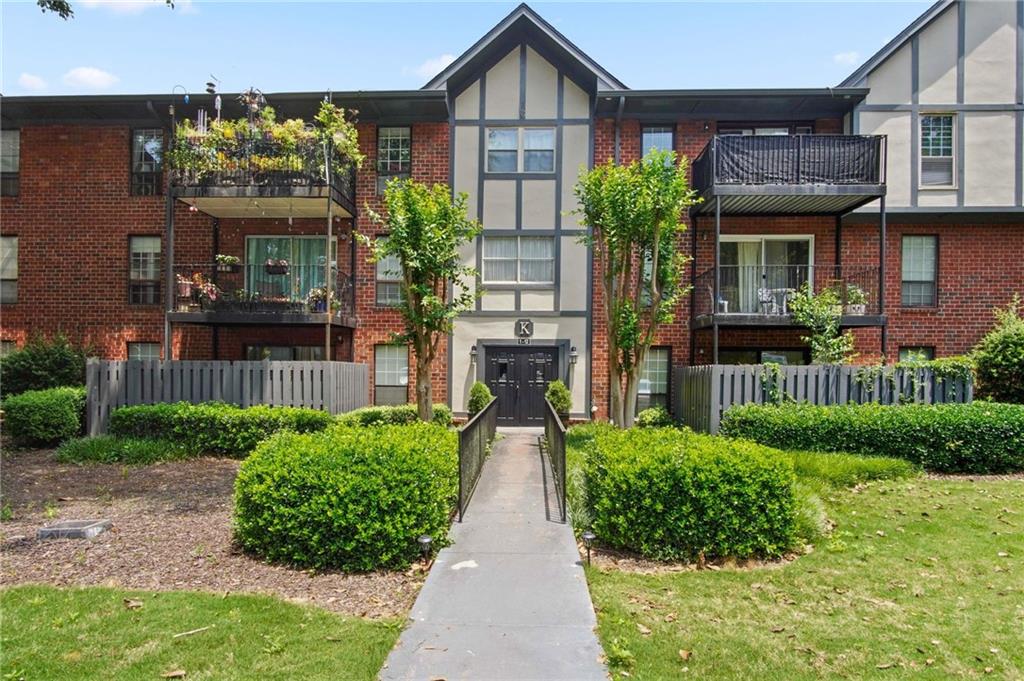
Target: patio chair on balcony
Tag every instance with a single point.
(768, 302)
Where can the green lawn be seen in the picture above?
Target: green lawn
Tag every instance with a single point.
(922, 578)
(50, 633)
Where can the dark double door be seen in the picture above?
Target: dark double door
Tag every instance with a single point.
(518, 377)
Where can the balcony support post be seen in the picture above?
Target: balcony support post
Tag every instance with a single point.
(693, 287)
(718, 280)
(169, 283)
(881, 274)
(329, 262)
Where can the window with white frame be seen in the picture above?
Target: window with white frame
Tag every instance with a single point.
(144, 270)
(147, 161)
(937, 150)
(391, 374)
(653, 388)
(519, 260)
(144, 351)
(394, 154)
(513, 150)
(8, 269)
(920, 259)
(10, 162)
(655, 137)
(389, 281)
(7, 347)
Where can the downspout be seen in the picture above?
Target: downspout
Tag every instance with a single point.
(618, 128)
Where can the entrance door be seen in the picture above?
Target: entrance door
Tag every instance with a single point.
(518, 377)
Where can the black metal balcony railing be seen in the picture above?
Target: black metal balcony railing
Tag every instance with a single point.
(791, 160)
(267, 288)
(766, 289)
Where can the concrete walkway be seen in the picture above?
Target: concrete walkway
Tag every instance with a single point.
(508, 599)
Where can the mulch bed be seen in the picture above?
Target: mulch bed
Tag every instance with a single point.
(171, 531)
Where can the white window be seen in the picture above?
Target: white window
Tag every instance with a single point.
(920, 257)
(937, 150)
(513, 150)
(394, 154)
(10, 161)
(8, 269)
(285, 353)
(145, 351)
(144, 270)
(391, 374)
(519, 260)
(389, 281)
(147, 161)
(653, 388)
(760, 272)
(655, 137)
(7, 347)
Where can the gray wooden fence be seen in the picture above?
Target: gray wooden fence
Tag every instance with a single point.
(701, 394)
(335, 387)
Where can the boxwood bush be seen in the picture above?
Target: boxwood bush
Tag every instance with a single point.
(393, 415)
(214, 427)
(349, 498)
(982, 437)
(42, 418)
(43, 364)
(674, 495)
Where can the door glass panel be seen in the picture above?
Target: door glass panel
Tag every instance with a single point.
(502, 369)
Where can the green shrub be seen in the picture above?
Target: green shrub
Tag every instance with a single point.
(999, 357)
(653, 417)
(951, 438)
(670, 494)
(394, 415)
(349, 498)
(43, 418)
(479, 397)
(214, 427)
(559, 396)
(112, 449)
(42, 364)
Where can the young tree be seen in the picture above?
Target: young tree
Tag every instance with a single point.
(635, 215)
(62, 8)
(424, 229)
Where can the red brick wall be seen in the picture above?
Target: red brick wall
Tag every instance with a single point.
(377, 324)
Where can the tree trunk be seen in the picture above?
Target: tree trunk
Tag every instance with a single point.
(617, 414)
(424, 389)
(629, 402)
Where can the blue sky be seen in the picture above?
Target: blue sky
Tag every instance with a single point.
(142, 46)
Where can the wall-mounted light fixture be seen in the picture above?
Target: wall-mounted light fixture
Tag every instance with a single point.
(472, 355)
(573, 356)
(706, 126)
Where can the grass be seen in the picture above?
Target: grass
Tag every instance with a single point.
(51, 633)
(846, 470)
(921, 578)
(112, 449)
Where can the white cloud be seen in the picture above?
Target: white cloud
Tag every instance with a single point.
(431, 67)
(851, 58)
(130, 6)
(28, 81)
(90, 78)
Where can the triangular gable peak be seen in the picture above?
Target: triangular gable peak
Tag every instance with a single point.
(524, 26)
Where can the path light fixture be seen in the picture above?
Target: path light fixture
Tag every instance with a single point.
(588, 541)
(424, 541)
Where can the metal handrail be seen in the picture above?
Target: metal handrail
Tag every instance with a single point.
(554, 438)
(475, 438)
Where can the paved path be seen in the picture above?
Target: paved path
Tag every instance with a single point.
(508, 599)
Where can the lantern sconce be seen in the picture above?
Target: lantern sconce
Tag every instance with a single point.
(472, 355)
(573, 356)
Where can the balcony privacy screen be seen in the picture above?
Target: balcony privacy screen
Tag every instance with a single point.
(798, 159)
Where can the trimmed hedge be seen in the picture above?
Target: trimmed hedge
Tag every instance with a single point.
(43, 418)
(653, 417)
(42, 364)
(394, 415)
(675, 495)
(214, 427)
(479, 397)
(981, 437)
(348, 498)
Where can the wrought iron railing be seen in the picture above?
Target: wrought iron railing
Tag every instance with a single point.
(790, 159)
(277, 287)
(767, 289)
(554, 444)
(474, 444)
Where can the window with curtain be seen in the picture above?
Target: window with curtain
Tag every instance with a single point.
(144, 351)
(654, 379)
(519, 260)
(147, 161)
(655, 137)
(391, 374)
(513, 150)
(394, 154)
(937, 150)
(502, 150)
(389, 281)
(758, 272)
(539, 150)
(920, 256)
(8, 269)
(144, 270)
(284, 353)
(7, 347)
(10, 162)
(284, 269)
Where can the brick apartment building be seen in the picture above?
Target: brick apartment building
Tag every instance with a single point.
(903, 183)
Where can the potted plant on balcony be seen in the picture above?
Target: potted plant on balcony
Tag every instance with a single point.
(316, 299)
(856, 300)
(227, 263)
(184, 286)
(273, 266)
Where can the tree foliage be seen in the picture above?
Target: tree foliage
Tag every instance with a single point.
(634, 213)
(999, 356)
(821, 313)
(62, 8)
(425, 228)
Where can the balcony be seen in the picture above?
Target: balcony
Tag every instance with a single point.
(268, 293)
(758, 295)
(789, 174)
